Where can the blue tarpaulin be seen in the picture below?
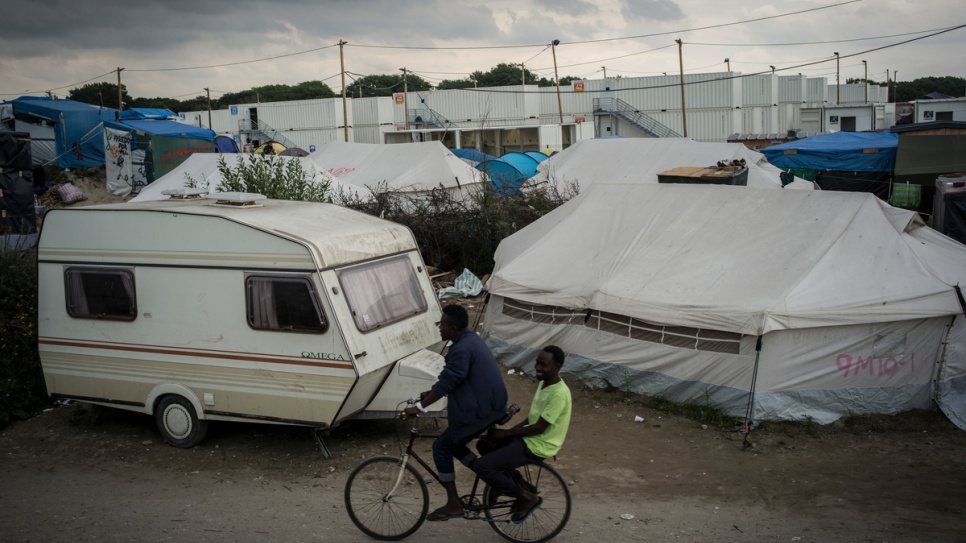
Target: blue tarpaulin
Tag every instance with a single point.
(165, 128)
(79, 136)
(840, 151)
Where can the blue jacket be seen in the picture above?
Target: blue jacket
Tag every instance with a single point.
(474, 385)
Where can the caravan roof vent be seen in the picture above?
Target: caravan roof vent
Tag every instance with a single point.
(185, 193)
(237, 199)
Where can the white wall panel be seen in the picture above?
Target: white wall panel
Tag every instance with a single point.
(792, 89)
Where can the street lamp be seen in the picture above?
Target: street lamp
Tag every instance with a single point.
(866, 81)
(728, 64)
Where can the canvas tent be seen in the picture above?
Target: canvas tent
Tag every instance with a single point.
(639, 160)
(668, 290)
(139, 151)
(412, 168)
(74, 127)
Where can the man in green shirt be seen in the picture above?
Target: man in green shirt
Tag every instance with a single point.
(540, 436)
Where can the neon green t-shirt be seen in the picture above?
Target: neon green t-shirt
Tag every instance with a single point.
(553, 405)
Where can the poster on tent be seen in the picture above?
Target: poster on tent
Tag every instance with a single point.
(120, 167)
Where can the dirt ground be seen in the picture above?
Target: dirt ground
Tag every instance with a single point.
(79, 474)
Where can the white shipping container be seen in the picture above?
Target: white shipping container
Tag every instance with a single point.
(817, 90)
(792, 89)
(305, 114)
(759, 90)
(372, 111)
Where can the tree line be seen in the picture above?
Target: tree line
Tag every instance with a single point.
(501, 75)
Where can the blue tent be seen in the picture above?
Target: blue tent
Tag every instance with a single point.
(79, 136)
(840, 151)
(539, 157)
(505, 179)
(472, 155)
(523, 162)
(226, 144)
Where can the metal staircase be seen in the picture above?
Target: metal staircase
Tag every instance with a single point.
(425, 117)
(618, 108)
(263, 133)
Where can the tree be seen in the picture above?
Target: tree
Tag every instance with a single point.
(504, 75)
(919, 88)
(451, 84)
(274, 93)
(385, 85)
(101, 94)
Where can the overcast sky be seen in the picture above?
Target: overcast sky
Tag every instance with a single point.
(239, 44)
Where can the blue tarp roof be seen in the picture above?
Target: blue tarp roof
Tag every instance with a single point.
(165, 128)
(142, 113)
(841, 151)
(79, 137)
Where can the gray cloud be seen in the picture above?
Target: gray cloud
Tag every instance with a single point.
(652, 10)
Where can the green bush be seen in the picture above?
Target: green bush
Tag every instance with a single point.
(270, 176)
(22, 390)
(455, 233)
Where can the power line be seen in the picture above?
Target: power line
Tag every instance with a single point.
(818, 42)
(57, 88)
(235, 63)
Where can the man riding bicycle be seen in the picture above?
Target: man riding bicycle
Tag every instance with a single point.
(472, 382)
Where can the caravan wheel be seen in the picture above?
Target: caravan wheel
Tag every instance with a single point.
(178, 423)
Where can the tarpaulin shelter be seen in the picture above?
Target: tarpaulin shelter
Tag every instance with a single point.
(851, 161)
(472, 156)
(787, 305)
(640, 160)
(156, 147)
(75, 128)
(927, 151)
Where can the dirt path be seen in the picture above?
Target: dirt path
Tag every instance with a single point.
(67, 478)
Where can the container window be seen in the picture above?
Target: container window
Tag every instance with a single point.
(382, 292)
(287, 304)
(98, 293)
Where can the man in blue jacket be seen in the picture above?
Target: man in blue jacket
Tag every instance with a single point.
(477, 396)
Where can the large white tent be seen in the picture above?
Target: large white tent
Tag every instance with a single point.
(414, 169)
(670, 289)
(639, 160)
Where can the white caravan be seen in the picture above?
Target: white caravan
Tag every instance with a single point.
(241, 308)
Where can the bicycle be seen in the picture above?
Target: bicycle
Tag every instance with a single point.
(387, 498)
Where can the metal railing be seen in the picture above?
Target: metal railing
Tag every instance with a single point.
(627, 112)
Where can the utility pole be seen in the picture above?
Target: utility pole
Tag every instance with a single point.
(838, 90)
(684, 116)
(605, 71)
(895, 85)
(888, 86)
(120, 104)
(406, 94)
(556, 76)
(523, 75)
(209, 107)
(866, 81)
(728, 65)
(345, 110)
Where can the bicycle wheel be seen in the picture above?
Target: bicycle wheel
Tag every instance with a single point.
(380, 515)
(545, 522)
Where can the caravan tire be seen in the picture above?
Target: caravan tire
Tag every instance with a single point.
(178, 422)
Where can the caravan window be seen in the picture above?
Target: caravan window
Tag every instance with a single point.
(283, 303)
(100, 293)
(382, 292)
